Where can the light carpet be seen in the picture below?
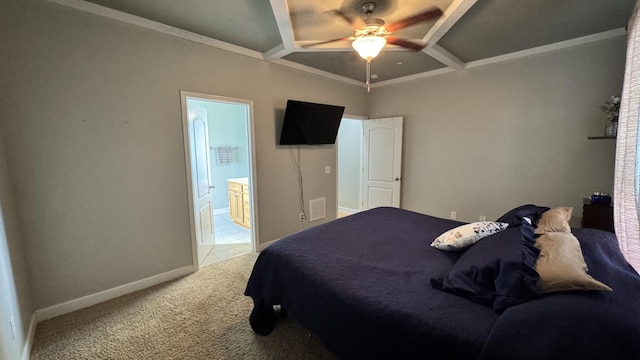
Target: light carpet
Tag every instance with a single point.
(201, 316)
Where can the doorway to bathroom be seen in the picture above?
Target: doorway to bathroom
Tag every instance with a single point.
(219, 155)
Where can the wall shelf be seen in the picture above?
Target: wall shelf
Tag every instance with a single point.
(601, 137)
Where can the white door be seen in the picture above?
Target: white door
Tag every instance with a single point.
(382, 162)
(201, 180)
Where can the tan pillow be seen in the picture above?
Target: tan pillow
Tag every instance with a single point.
(555, 220)
(561, 265)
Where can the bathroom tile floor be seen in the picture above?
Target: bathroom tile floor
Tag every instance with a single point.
(231, 240)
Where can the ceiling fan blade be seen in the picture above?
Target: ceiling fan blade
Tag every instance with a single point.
(415, 19)
(405, 43)
(325, 42)
(355, 23)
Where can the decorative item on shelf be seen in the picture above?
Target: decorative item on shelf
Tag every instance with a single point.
(600, 198)
(612, 108)
(611, 128)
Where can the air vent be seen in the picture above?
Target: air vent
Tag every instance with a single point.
(316, 209)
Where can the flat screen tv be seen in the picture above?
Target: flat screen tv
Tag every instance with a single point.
(308, 123)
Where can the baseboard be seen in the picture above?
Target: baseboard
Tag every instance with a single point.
(26, 351)
(264, 246)
(347, 210)
(102, 296)
(221, 211)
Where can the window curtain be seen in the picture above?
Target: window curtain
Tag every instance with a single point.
(626, 197)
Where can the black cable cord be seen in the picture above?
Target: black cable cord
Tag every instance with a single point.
(298, 168)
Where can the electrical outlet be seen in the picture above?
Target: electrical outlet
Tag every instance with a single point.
(303, 216)
(327, 169)
(482, 218)
(454, 215)
(13, 328)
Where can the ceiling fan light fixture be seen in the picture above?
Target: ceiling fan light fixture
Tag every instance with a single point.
(368, 47)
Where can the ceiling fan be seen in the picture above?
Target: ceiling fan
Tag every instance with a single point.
(372, 34)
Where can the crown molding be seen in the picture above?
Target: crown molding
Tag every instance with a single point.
(273, 55)
(584, 40)
(109, 13)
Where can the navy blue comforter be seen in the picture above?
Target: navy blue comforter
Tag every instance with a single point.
(362, 284)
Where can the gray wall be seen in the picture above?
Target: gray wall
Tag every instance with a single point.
(484, 140)
(91, 118)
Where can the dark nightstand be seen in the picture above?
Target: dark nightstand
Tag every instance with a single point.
(597, 216)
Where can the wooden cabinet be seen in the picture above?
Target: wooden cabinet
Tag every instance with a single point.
(235, 205)
(597, 216)
(246, 209)
(239, 204)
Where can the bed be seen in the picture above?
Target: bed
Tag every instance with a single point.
(370, 286)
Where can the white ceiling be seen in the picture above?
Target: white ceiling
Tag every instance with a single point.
(469, 33)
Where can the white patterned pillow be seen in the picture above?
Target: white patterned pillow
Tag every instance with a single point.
(466, 235)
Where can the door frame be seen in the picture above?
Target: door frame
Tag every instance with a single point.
(253, 199)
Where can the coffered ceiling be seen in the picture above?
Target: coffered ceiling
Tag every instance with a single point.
(469, 33)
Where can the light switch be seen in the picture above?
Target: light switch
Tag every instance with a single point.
(327, 169)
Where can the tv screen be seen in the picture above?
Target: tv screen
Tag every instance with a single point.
(308, 123)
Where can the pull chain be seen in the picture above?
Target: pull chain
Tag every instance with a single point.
(368, 76)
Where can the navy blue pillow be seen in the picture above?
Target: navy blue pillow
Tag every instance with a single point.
(498, 271)
(515, 215)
